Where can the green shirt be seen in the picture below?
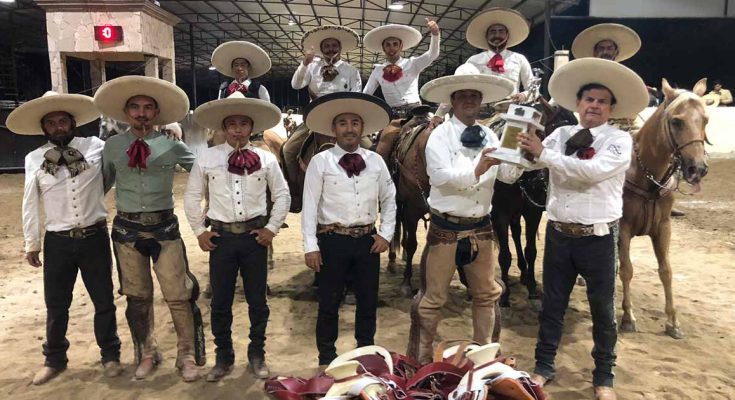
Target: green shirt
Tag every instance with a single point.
(144, 189)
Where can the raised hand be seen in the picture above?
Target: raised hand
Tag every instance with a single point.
(309, 56)
(433, 26)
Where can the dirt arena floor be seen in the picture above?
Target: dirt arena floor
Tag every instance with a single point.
(651, 365)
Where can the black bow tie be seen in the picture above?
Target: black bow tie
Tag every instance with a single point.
(472, 137)
(580, 140)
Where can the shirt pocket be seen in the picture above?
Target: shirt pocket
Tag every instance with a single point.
(47, 181)
(367, 187)
(585, 205)
(257, 182)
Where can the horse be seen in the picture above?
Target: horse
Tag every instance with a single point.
(526, 198)
(668, 147)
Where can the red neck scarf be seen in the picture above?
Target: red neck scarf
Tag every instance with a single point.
(241, 160)
(352, 163)
(138, 153)
(235, 86)
(496, 63)
(392, 72)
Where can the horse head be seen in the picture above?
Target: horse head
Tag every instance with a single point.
(684, 119)
(553, 116)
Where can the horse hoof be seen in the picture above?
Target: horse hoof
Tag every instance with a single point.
(406, 291)
(392, 267)
(674, 332)
(581, 282)
(628, 326)
(535, 304)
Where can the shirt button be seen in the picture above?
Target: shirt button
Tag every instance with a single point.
(73, 190)
(237, 181)
(77, 215)
(143, 207)
(74, 206)
(237, 193)
(240, 213)
(238, 202)
(73, 198)
(258, 179)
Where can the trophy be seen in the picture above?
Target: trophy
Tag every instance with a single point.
(517, 119)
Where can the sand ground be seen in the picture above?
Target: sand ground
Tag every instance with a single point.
(651, 365)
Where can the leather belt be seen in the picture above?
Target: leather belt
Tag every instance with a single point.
(239, 227)
(457, 220)
(578, 230)
(82, 233)
(147, 218)
(356, 231)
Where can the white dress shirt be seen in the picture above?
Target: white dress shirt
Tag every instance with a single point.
(588, 192)
(232, 197)
(348, 79)
(331, 197)
(516, 68)
(68, 202)
(405, 90)
(455, 189)
(262, 91)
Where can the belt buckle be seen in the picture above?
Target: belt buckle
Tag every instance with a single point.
(238, 227)
(147, 218)
(76, 233)
(355, 232)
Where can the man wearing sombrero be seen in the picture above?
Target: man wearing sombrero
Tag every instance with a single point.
(326, 74)
(64, 178)
(141, 164)
(462, 175)
(398, 77)
(243, 61)
(496, 30)
(587, 165)
(614, 42)
(235, 178)
(345, 188)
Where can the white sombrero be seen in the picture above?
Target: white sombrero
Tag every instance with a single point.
(347, 381)
(362, 351)
(26, 119)
(627, 87)
(373, 40)
(320, 113)
(346, 37)
(467, 77)
(226, 53)
(264, 114)
(516, 23)
(112, 96)
(626, 39)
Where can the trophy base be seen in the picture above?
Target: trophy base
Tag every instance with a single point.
(511, 157)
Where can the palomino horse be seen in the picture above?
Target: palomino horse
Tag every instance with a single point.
(671, 142)
(526, 198)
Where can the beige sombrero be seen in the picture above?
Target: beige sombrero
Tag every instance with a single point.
(467, 76)
(111, 97)
(628, 88)
(627, 40)
(516, 23)
(349, 382)
(320, 113)
(226, 53)
(373, 40)
(346, 37)
(26, 119)
(264, 114)
(711, 99)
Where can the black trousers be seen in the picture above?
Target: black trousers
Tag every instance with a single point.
(62, 258)
(238, 253)
(592, 257)
(344, 256)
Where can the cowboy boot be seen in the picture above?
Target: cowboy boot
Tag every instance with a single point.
(46, 374)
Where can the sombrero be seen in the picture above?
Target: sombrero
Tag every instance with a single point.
(627, 40)
(627, 87)
(227, 52)
(346, 37)
(348, 381)
(467, 76)
(516, 23)
(111, 97)
(363, 351)
(711, 99)
(373, 40)
(264, 114)
(320, 113)
(26, 119)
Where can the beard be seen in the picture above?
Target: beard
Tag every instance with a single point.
(60, 140)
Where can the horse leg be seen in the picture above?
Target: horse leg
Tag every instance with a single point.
(409, 249)
(627, 323)
(532, 217)
(500, 225)
(515, 233)
(661, 247)
(394, 245)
